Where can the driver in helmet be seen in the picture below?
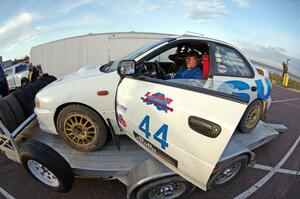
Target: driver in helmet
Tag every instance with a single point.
(191, 71)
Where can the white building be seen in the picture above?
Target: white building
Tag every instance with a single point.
(65, 56)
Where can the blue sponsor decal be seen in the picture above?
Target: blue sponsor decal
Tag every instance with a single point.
(159, 100)
(261, 89)
(241, 86)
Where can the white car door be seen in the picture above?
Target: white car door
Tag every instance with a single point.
(184, 127)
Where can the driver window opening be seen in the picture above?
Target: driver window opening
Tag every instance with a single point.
(184, 61)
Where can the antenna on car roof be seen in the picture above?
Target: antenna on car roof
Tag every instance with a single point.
(189, 33)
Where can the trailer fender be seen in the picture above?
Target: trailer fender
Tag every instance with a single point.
(146, 172)
(236, 148)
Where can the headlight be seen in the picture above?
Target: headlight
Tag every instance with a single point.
(37, 102)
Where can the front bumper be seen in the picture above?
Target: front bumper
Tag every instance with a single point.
(45, 118)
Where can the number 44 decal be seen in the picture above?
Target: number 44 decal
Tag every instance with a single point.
(160, 135)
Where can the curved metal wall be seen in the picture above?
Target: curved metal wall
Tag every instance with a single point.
(65, 56)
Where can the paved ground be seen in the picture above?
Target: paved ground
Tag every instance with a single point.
(275, 176)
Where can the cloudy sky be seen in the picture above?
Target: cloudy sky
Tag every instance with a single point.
(268, 31)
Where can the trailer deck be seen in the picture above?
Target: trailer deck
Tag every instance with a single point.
(131, 164)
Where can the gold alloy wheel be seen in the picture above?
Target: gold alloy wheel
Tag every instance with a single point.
(253, 116)
(79, 129)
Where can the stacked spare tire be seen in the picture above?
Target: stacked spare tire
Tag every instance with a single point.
(19, 105)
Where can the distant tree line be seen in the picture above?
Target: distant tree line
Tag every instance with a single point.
(22, 60)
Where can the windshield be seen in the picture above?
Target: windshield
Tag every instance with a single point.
(112, 66)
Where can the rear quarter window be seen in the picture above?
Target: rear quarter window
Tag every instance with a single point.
(21, 68)
(260, 71)
(229, 62)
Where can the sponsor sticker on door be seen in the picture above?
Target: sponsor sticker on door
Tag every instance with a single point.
(158, 100)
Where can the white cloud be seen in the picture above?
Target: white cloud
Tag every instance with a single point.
(74, 4)
(18, 30)
(205, 10)
(78, 22)
(154, 7)
(241, 3)
(16, 23)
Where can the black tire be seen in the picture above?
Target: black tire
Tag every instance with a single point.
(24, 82)
(7, 116)
(50, 78)
(25, 101)
(16, 108)
(34, 89)
(32, 153)
(166, 188)
(250, 118)
(44, 82)
(38, 84)
(215, 180)
(78, 136)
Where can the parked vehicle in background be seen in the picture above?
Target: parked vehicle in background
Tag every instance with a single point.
(3, 84)
(17, 75)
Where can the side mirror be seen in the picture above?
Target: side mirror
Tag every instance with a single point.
(126, 67)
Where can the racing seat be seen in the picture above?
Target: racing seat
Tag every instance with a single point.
(205, 68)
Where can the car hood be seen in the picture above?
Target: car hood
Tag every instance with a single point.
(87, 71)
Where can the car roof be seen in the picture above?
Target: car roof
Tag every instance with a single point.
(202, 38)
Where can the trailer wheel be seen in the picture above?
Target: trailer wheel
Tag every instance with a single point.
(227, 172)
(251, 117)
(166, 188)
(16, 108)
(7, 116)
(47, 166)
(82, 128)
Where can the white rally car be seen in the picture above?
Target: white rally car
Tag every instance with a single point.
(185, 123)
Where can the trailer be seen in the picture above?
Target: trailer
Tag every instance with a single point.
(144, 176)
(65, 56)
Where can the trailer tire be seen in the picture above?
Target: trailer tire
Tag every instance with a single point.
(7, 116)
(169, 187)
(233, 167)
(16, 108)
(251, 117)
(47, 166)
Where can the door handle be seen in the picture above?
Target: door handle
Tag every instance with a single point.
(204, 127)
